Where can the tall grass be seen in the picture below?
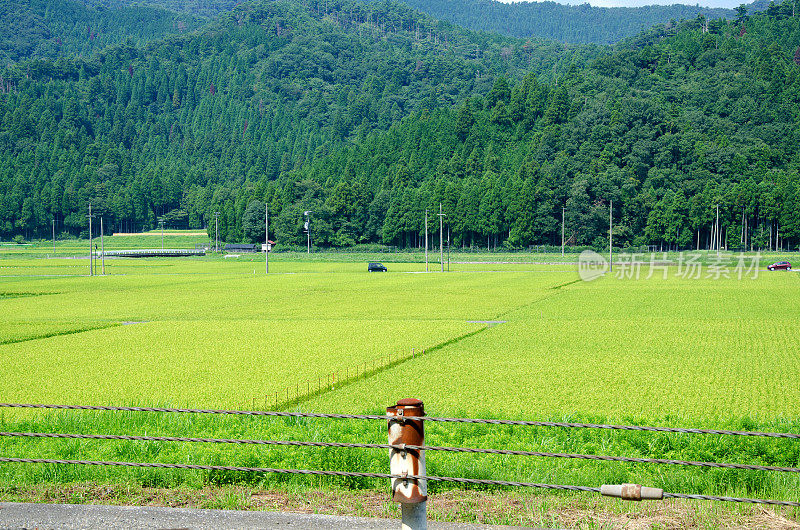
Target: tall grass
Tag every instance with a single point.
(764, 451)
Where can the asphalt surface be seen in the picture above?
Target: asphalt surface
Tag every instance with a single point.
(81, 516)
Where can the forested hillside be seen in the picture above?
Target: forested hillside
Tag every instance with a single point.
(666, 127)
(62, 28)
(268, 88)
(577, 24)
(366, 114)
(581, 24)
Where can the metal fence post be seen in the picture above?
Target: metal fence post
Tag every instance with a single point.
(412, 494)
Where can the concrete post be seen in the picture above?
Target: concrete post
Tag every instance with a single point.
(412, 494)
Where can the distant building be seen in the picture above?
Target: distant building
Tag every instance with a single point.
(242, 247)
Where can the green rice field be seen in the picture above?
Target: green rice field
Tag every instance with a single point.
(320, 334)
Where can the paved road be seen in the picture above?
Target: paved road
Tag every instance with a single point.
(80, 516)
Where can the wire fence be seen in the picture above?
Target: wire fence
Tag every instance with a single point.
(396, 447)
(422, 418)
(399, 447)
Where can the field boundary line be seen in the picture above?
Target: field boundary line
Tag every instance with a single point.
(555, 290)
(11, 295)
(338, 383)
(566, 284)
(60, 334)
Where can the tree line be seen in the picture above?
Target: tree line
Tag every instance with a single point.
(366, 115)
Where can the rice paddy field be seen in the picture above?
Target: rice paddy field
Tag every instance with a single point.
(513, 336)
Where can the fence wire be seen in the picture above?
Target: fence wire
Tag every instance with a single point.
(473, 450)
(487, 482)
(398, 447)
(423, 418)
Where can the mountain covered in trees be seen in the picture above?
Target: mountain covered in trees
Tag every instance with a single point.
(367, 114)
(577, 24)
(580, 24)
(266, 88)
(64, 28)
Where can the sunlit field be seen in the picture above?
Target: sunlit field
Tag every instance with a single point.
(521, 339)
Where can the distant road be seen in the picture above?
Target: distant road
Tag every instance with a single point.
(159, 233)
(80, 516)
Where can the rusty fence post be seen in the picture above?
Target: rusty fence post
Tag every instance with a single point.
(412, 494)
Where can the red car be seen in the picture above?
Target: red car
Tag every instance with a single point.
(782, 265)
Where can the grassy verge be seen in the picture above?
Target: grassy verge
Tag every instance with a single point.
(677, 479)
(519, 508)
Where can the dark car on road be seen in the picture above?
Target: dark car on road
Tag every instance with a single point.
(780, 265)
(376, 267)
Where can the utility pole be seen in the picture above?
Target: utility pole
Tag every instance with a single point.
(441, 237)
(54, 238)
(426, 240)
(712, 238)
(448, 247)
(161, 222)
(562, 231)
(718, 238)
(308, 228)
(777, 236)
(266, 236)
(102, 249)
(91, 271)
(216, 231)
(610, 236)
(741, 238)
